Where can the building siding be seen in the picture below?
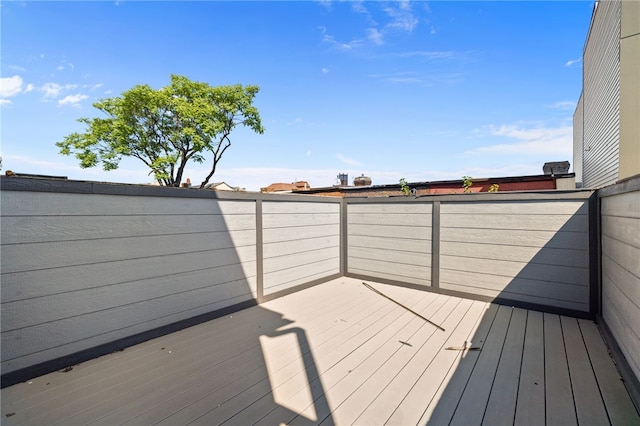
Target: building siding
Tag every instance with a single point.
(601, 97)
(578, 136)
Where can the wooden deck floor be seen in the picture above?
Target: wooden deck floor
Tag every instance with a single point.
(339, 353)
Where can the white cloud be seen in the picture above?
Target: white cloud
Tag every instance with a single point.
(375, 36)
(10, 86)
(572, 62)
(563, 105)
(30, 87)
(329, 39)
(348, 161)
(51, 90)
(325, 70)
(60, 67)
(5, 102)
(535, 141)
(72, 100)
(297, 120)
(402, 17)
(433, 54)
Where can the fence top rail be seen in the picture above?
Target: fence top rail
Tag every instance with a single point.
(105, 188)
(578, 194)
(631, 184)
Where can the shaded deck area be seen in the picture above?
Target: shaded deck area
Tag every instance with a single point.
(338, 353)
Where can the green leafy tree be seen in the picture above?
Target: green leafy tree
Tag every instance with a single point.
(165, 128)
(404, 187)
(467, 183)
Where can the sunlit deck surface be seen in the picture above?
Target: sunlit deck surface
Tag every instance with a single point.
(338, 353)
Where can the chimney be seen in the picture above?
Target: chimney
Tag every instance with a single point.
(556, 168)
(343, 178)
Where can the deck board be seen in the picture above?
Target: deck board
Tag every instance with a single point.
(530, 408)
(560, 408)
(338, 353)
(501, 407)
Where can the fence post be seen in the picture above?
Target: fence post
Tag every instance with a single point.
(435, 245)
(259, 254)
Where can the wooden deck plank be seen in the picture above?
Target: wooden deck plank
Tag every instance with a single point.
(501, 407)
(586, 394)
(560, 409)
(325, 355)
(338, 353)
(386, 402)
(617, 401)
(444, 404)
(192, 359)
(153, 396)
(293, 396)
(530, 407)
(342, 380)
(474, 400)
(87, 375)
(356, 403)
(434, 376)
(196, 401)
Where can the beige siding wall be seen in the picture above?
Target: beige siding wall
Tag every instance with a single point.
(578, 136)
(630, 89)
(621, 272)
(601, 97)
(390, 241)
(80, 270)
(529, 251)
(301, 243)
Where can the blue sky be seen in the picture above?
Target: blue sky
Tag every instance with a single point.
(421, 90)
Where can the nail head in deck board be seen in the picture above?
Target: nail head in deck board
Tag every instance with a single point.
(530, 408)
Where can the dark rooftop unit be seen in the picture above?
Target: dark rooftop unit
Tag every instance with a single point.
(556, 168)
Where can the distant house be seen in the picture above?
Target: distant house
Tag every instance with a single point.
(222, 186)
(606, 122)
(280, 187)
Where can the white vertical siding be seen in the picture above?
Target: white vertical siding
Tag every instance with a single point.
(529, 251)
(301, 243)
(390, 241)
(578, 136)
(601, 97)
(621, 272)
(81, 270)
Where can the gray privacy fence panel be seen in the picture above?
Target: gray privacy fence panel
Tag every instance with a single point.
(390, 240)
(620, 242)
(534, 251)
(80, 270)
(301, 243)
